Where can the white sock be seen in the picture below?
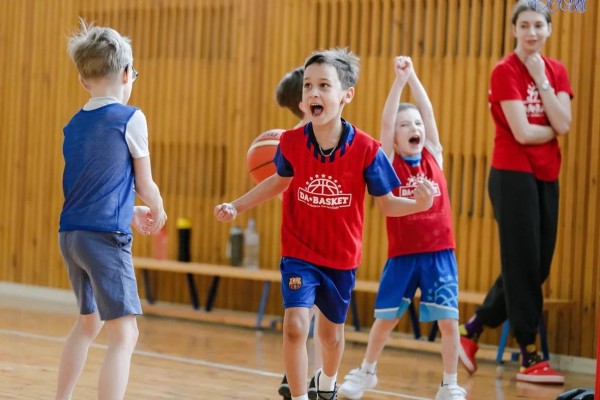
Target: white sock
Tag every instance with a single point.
(326, 383)
(450, 379)
(303, 397)
(370, 368)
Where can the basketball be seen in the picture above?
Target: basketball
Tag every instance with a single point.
(261, 153)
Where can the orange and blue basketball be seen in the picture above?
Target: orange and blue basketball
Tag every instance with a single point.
(261, 153)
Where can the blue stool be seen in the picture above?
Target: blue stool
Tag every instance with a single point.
(515, 356)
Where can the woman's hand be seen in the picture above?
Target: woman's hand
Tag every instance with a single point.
(536, 67)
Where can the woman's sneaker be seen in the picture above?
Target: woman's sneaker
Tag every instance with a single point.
(356, 382)
(540, 372)
(451, 392)
(466, 353)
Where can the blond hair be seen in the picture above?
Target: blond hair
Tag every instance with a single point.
(99, 51)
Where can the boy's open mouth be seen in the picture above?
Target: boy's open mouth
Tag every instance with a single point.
(415, 140)
(316, 110)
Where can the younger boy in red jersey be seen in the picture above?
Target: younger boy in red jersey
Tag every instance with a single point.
(325, 167)
(421, 246)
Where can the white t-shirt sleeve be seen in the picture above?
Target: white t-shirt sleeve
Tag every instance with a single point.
(136, 135)
(436, 152)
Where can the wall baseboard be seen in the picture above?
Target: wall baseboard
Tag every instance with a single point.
(16, 290)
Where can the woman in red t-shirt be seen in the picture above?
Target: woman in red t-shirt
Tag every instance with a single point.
(530, 101)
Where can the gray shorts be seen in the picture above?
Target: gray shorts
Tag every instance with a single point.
(101, 271)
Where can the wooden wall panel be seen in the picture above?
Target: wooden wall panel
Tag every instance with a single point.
(208, 71)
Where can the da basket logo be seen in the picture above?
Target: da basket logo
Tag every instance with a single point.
(408, 190)
(295, 283)
(324, 191)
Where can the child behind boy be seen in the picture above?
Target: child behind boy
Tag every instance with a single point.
(323, 169)
(289, 95)
(106, 152)
(420, 246)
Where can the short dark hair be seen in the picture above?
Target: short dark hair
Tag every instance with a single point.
(343, 60)
(529, 5)
(289, 91)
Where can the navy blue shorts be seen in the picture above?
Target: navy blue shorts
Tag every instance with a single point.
(304, 284)
(101, 271)
(434, 273)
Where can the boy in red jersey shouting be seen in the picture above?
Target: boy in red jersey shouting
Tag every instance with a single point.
(325, 167)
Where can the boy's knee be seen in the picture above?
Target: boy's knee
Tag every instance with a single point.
(295, 328)
(134, 333)
(332, 337)
(90, 325)
(123, 331)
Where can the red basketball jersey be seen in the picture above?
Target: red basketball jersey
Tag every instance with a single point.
(426, 231)
(323, 208)
(511, 81)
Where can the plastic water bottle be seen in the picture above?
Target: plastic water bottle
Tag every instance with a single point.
(235, 246)
(251, 245)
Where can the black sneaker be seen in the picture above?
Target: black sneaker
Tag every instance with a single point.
(284, 389)
(325, 395)
(312, 389)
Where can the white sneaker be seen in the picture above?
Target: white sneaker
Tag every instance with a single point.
(356, 382)
(451, 392)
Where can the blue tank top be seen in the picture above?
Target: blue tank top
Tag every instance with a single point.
(98, 176)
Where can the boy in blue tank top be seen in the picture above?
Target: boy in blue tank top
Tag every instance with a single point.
(106, 163)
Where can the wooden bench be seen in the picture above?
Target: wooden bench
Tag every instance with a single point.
(273, 276)
(216, 271)
(225, 271)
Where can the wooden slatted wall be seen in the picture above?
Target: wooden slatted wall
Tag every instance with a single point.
(208, 73)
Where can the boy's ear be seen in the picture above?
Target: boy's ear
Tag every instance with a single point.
(302, 107)
(348, 96)
(125, 75)
(83, 83)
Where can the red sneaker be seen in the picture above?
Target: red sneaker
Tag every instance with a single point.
(540, 373)
(466, 353)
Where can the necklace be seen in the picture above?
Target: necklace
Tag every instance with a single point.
(323, 153)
